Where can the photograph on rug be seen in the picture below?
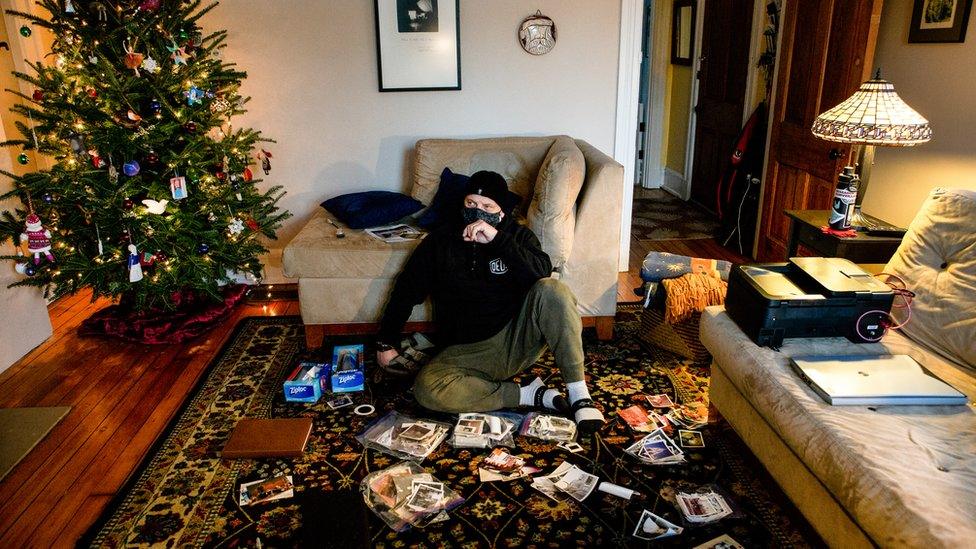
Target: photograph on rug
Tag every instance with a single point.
(185, 494)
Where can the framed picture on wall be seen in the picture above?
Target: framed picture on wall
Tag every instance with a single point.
(418, 45)
(939, 21)
(682, 32)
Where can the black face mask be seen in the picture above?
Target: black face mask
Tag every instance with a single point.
(474, 214)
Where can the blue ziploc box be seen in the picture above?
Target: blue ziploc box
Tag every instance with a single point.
(348, 368)
(307, 382)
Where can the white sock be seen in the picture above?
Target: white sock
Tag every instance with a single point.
(527, 394)
(577, 391)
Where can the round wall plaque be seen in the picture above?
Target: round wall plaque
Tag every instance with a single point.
(537, 34)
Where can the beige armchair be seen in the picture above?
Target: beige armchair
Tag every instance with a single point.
(343, 284)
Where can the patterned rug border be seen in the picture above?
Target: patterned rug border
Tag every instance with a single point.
(143, 466)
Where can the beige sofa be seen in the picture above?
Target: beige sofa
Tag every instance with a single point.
(343, 284)
(892, 476)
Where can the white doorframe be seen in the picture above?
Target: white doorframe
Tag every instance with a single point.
(625, 140)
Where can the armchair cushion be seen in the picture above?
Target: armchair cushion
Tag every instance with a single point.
(551, 213)
(371, 208)
(937, 261)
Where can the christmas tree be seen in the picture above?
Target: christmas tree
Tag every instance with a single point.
(147, 189)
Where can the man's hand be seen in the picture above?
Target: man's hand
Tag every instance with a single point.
(383, 358)
(479, 231)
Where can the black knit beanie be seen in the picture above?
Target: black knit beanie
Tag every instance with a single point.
(492, 185)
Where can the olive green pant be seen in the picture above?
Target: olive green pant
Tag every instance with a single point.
(471, 377)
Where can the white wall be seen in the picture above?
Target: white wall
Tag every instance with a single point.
(937, 81)
(312, 77)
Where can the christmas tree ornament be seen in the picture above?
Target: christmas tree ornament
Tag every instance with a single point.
(20, 267)
(30, 270)
(155, 106)
(235, 227)
(152, 158)
(38, 95)
(252, 224)
(247, 174)
(146, 259)
(47, 198)
(219, 105)
(128, 204)
(23, 158)
(150, 65)
(265, 158)
(98, 237)
(132, 60)
(183, 35)
(125, 237)
(178, 188)
(38, 239)
(154, 206)
(133, 116)
(77, 143)
(236, 187)
(92, 92)
(113, 174)
(176, 53)
(131, 168)
(194, 96)
(98, 161)
(220, 176)
(135, 268)
(69, 7)
(149, 5)
(203, 248)
(190, 126)
(25, 31)
(160, 256)
(102, 15)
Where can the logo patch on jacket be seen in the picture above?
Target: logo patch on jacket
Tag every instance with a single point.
(497, 266)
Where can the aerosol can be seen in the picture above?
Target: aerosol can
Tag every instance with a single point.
(845, 195)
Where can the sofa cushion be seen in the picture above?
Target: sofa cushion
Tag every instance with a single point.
(937, 261)
(371, 208)
(450, 194)
(551, 213)
(316, 252)
(901, 472)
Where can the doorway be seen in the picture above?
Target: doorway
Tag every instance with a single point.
(702, 76)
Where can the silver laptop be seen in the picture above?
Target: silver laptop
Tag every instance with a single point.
(874, 380)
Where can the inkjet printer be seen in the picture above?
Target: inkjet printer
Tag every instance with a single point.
(807, 297)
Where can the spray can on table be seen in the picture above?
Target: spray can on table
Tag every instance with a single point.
(845, 195)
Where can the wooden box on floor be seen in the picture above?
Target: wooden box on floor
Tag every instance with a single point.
(680, 338)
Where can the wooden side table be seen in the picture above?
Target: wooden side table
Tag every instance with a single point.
(805, 229)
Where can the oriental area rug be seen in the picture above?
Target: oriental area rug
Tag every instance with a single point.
(184, 495)
(659, 215)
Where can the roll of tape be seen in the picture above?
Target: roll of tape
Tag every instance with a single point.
(616, 490)
(364, 409)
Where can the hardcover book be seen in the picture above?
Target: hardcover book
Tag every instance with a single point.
(258, 438)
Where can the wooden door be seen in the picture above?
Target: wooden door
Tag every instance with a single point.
(826, 52)
(722, 74)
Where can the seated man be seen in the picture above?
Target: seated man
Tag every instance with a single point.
(496, 310)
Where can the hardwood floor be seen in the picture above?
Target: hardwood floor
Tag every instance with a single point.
(122, 395)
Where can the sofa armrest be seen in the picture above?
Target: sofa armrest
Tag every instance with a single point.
(592, 266)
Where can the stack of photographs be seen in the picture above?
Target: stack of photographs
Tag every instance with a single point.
(568, 479)
(657, 449)
(641, 421)
(690, 416)
(404, 495)
(651, 527)
(551, 428)
(484, 430)
(263, 491)
(404, 437)
(703, 507)
(503, 467)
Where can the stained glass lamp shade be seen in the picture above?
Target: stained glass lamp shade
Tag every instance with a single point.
(874, 115)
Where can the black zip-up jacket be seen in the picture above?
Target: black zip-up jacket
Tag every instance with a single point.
(475, 288)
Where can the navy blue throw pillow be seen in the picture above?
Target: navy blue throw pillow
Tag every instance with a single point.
(448, 197)
(371, 208)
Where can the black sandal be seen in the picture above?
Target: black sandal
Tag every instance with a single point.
(587, 425)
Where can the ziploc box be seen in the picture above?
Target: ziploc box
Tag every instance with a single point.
(307, 382)
(347, 368)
